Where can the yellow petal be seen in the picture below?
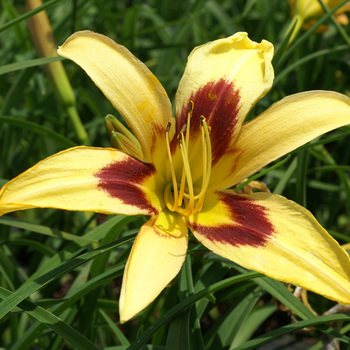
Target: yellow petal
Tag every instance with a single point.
(128, 84)
(155, 259)
(85, 179)
(277, 237)
(285, 126)
(171, 223)
(224, 79)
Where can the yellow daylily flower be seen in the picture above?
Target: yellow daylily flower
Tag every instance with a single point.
(312, 9)
(181, 170)
(308, 11)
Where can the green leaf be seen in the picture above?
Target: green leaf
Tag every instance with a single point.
(44, 230)
(27, 15)
(38, 129)
(225, 330)
(179, 332)
(73, 296)
(12, 67)
(117, 332)
(55, 323)
(252, 323)
(312, 322)
(75, 248)
(32, 286)
(188, 302)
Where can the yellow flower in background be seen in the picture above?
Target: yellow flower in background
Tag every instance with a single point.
(308, 11)
(180, 171)
(312, 9)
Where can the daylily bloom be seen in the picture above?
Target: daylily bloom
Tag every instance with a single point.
(312, 9)
(308, 11)
(180, 171)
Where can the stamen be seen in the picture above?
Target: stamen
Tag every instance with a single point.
(189, 116)
(168, 128)
(181, 197)
(207, 160)
(173, 175)
(187, 170)
(187, 127)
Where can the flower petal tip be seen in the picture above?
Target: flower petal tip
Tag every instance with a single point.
(155, 259)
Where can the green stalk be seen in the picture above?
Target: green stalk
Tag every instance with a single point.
(42, 36)
(295, 27)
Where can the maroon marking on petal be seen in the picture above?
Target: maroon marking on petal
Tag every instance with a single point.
(218, 102)
(120, 180)
(251, 225)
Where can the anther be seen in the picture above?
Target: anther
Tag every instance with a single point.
(181, 196)
(183, 129)
(173, 175)
(190, 110)
(168, 127)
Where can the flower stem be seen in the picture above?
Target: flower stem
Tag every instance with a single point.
(292, 31)
(42, 36)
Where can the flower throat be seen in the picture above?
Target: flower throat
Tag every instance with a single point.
(181, 196)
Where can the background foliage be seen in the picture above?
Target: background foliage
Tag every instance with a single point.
(60, 272)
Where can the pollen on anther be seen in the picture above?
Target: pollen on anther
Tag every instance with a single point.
(183, 129)
(191, 108)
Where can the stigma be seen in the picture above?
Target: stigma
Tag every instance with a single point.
(180, 195)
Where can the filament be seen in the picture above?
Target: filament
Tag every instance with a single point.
(172, 170)
(180, 196)
(186, 126)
